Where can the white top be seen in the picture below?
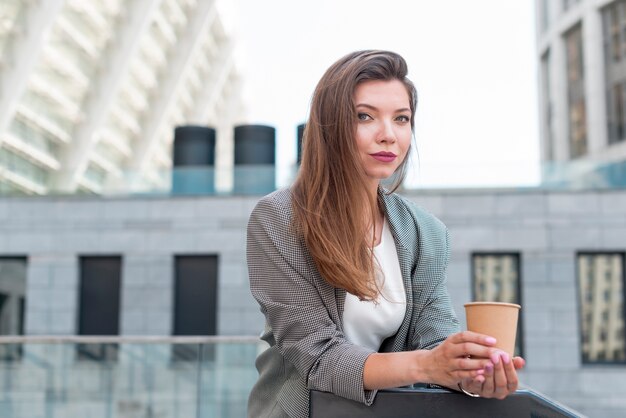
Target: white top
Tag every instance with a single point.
(368, 323)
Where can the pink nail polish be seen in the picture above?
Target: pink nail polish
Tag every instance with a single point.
(490, 340)
(505, 358)
(495, 358)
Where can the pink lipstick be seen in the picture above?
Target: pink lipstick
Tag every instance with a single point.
(385, 157)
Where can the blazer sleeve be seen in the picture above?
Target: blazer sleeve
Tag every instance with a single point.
(283, 283)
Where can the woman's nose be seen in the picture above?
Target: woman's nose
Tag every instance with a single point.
(386, 133)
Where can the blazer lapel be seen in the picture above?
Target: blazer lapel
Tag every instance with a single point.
(404, 232)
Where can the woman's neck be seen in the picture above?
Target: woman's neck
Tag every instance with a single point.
(372, 188)
(377, 226)
(375, 229)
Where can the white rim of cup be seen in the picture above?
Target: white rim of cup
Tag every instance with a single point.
(512, 305)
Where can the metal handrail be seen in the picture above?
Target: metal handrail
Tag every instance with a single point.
(127, 339)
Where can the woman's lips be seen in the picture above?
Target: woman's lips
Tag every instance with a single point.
(385, 157)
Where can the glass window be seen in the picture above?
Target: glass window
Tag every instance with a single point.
(614, 33)
(576, 92)
(95, 174)
(195, 302)
(496, 278)
(99, 304)
(12, 295)
(602, 307)
(547, 107)
(12, 303)
(23, 167)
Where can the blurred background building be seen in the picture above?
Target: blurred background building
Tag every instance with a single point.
(127, 179)
(91, 90)
(582, 50)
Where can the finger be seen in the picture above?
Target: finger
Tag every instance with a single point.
(500, 378)
(471, 344)
(473, 350)
(472, 337)
(471, 374)
(519, 362)
(512, 380)
(488, 385)
(469, 363)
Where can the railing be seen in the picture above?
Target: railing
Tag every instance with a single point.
(439, 403)
(126, 377)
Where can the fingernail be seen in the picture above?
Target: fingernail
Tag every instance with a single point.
(505, 358)
(488, 368)
(495, 358)
(479, 372)
(480, 379)
(490, 340)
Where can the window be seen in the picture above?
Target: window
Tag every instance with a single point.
(12, 303)
(602, 307)
(547, 107)
(195, 302)
(22, 166)
(99, 304)
(614, 34)
(496, 278)
(576, 92)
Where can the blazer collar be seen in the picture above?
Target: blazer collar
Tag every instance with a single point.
(404, 235)
(392, 216)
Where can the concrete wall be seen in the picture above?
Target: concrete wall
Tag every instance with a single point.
(546, 228)
(148, 233)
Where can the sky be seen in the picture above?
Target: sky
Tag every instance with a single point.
(473, 62)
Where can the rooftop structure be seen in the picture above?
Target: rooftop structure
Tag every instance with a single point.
(101, 87)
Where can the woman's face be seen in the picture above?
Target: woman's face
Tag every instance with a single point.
(383, 133)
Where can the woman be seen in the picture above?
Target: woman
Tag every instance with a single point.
(351, 277)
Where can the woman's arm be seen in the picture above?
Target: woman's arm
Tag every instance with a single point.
(464, 355)
(294, 301)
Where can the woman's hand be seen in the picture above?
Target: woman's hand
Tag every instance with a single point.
(499, 378)
(465, 356)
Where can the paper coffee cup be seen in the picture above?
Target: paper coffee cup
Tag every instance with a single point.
(495, 319)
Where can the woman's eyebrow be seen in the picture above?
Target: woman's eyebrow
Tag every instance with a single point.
(369, 106)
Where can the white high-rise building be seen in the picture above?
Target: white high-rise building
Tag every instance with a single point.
(582, 50)
(90, 91)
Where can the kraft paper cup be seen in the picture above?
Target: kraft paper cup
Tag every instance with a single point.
(495, 319)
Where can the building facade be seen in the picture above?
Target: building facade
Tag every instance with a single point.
(92, 104)
(559, 254)
(581, 46)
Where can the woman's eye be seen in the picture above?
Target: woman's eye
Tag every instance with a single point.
(363, 116)
(403, 118)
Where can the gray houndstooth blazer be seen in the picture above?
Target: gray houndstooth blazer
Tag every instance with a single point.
(308, 349)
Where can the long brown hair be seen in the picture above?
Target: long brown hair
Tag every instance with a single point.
(331, 201)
